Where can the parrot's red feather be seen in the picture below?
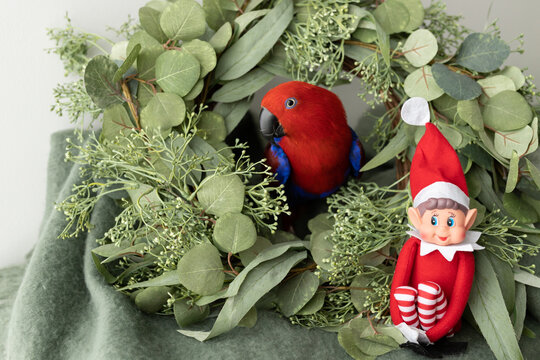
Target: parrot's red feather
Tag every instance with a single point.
(317, 138)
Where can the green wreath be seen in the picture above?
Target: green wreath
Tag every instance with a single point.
(171, 94)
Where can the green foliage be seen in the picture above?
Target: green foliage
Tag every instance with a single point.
(193, 222)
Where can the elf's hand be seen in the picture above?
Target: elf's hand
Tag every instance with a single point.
(413, 334)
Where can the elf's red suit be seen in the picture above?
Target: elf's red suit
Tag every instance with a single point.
(433, 278)
(454, 277)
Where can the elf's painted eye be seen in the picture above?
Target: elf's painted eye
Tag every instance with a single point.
(290, 103)
(434, 221)
(450, 222)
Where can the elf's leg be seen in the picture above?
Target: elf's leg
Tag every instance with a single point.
(406, 300)
(431, 304)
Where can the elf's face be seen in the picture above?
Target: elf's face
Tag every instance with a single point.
(442, 227)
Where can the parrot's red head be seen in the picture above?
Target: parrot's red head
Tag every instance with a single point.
(301, 111)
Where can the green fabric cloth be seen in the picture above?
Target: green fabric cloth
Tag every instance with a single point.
(65, 310)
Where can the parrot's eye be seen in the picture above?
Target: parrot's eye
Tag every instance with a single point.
(450, 222)
(434, 221)
(290, 103)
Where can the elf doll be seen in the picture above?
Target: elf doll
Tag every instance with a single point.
(435, 267)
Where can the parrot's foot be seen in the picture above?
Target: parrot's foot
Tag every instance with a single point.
(438, 350)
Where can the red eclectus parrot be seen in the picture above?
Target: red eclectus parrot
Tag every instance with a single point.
(312, 150)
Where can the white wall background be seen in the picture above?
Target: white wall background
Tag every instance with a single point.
(28, 75)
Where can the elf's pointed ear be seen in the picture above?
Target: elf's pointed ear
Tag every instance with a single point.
(415, 217)
(470, 217)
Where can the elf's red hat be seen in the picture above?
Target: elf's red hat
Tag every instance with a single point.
(435, 170)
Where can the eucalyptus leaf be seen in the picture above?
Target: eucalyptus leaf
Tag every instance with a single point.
(177, 71)
(513, 171)
(365, 35)
(163, 112)
(393, 16)
(242, 87)
(320, 223)
(458, 86)
(183, 20)
(127, 63)
(321, 249)
(526, 278)
(136, 250)
(315, 304)
(186, 313)
(420, 47)
(196, 91)
(508, 142)
(247, 17)
(514, 73)
(168, 278)
(506, 111)
(211, 127)
(359, 291)
(116, 123)
(249, 50)
(533, 146)
(257, 283)
(149, 18)
(158, 5)
(233, 112)
(143, 195)
(492, 85)
(200, 270)
(204, 53)
(421, 83)
(415, 8)
(221, 38)
(520, 309)
(505, 277)
(296, 292)
(99, 84)
(533, 172)
(453, 136)
(234, 232)
(469, 111)
(247, 256)
(217, 13)
(221, 194)
(276, 63)
(151, 49)
(396, 145)
(107, 250)
(518, 209)
(447, 106)
(250, 319)
(487, 306)
(152, 299)
(109, 278)
(269, 253)
(482, 52)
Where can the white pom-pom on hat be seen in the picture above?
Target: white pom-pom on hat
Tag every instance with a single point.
(415, 111)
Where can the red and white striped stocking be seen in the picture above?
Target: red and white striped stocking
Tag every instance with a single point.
(406, 299)
(432, 304)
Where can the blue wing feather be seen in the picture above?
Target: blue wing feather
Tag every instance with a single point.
(355, 154)
(283, 169)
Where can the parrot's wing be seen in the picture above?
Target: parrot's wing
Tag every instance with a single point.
(356, 154)
(278, 161)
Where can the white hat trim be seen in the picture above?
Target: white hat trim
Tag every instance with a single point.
(441, 189)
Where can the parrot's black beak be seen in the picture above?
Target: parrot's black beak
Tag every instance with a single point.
(270, 126)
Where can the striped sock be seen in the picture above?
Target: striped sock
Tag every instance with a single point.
(406, 299)
(430, 297)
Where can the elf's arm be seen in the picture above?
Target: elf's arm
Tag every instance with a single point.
(460, 296)
(402, 275)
